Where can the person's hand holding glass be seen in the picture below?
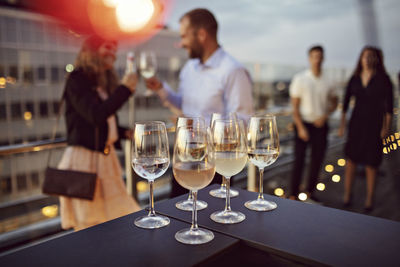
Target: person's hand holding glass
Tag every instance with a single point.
(221, 192)
(193, 169)
(195, 122)
(150, 160)
(263, 150)
(230, 158)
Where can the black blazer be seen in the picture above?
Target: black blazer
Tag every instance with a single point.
(85, 111)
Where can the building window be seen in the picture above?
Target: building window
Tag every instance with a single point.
(16, 111)
(35, 179)
(28, 74)
(44, 109)
(2, 71)
(13, 71)
(5, 185)
(41, 73)
(3, 111)
(55, 76)
(10, 29)
(21, 182)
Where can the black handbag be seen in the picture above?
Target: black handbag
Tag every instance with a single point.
(69, 183)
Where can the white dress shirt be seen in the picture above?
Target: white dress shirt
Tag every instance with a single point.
(314, 93)
(220, 85)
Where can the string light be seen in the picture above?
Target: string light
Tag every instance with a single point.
(336, 178)
(320, 186)
(302, 196)
(279, 192)
(329, 168)
(341, 162)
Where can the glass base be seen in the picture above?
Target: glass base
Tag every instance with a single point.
(227, 217)
(221, 192)
(187, 205)
(260, 205)
(194, 237)
(151, 222)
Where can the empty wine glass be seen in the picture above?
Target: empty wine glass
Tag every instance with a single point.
(230, 158)
(194, 169)
(263, 150)
(221, 192)
(150, 160)
(187, 204)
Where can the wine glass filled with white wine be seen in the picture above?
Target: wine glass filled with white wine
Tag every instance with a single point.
(221, 191)
(263, 150)
(229, 143)
(147, 64)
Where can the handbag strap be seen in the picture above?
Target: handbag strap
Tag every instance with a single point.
(54, 132)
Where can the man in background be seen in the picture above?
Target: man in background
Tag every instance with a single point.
(211, 80)
(313, 99)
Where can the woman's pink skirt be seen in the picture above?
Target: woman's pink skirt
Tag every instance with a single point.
(111, 199)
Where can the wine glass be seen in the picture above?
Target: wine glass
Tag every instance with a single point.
(193, 169)
(187, 204)
(150, 160)
(263, 150)
(230, 158)
(221, 192)
(147, 66)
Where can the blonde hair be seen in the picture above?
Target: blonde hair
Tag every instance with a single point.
(90, 62)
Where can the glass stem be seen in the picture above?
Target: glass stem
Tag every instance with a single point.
(151, 200)
(261, 186)
(190, 198)
(194, 212)
(228, 194)
(223, 183)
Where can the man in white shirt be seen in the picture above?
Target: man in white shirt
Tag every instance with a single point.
(211, 80)
(313, 99)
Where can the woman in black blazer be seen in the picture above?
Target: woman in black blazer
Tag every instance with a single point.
(93, 96)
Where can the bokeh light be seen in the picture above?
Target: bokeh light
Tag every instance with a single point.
(320, 186)
(303, 196)
(50, 211)
(329, 168)
(336, 178)
(279, 192)
(27, 115)
(133, 15)
(2, 81)
(141, 186)
(69, 68)
(341, 162)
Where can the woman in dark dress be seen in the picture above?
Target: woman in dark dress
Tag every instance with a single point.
(370, 120)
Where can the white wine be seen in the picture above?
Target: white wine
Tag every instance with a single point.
(193, 175)
(147, 73)
(150, 168)
(263, 158)
(230, 163)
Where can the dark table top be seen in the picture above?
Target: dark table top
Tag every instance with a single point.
(294, 233)
(303, 232)
(120, 243)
